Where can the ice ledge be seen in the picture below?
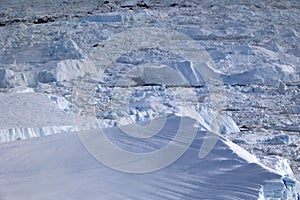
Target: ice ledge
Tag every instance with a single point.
(13, 134)
(287, 188)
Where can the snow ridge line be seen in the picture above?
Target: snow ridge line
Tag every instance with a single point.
(13, 134)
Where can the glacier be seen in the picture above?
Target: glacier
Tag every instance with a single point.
(55, 83)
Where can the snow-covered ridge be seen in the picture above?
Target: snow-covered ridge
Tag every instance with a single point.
(228, 172)
(283, 188)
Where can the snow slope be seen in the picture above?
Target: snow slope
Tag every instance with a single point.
(59, 167)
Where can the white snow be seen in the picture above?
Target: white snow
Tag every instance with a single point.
(58, 167)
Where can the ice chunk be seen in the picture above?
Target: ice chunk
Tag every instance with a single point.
(5, 78)
(72, 69)
(46, 77)
(279, 140)
(281, 87)
(263, 75)
(289, 187)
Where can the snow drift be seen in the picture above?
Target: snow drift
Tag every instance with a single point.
(59, 166)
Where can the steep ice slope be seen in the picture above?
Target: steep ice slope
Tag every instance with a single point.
(59, 167)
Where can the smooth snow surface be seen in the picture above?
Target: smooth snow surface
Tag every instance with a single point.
(59, 167)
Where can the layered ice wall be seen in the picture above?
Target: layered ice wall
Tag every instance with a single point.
(29, 115)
